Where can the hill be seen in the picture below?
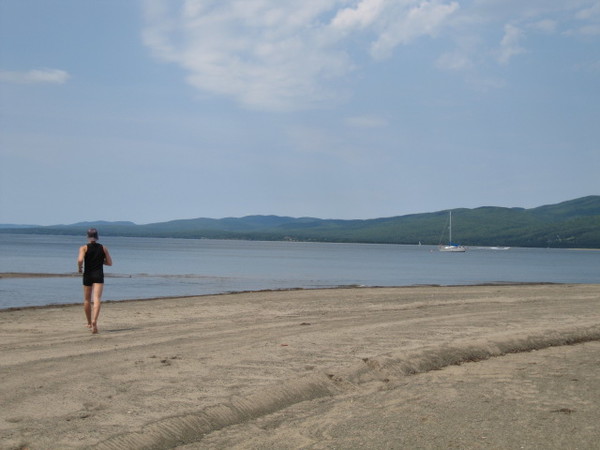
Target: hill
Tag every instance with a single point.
(570, 224)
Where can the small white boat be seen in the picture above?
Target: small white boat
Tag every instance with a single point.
(451, 247)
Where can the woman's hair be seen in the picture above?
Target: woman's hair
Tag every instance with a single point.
(92, 233)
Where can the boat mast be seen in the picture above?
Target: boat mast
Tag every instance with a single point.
(450, 229)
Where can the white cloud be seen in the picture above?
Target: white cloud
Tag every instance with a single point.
(275, 55)
(589, 13)
(53, 76)
(363, 15)
(267, 55)
(480, 20)
(454, 61)
(589, 22)
(544, 25)
(284, 55)
(585, 30)
(424, 19)
(509, 46)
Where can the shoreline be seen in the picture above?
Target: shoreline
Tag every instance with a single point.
(37, 275)
(21, 232)
(348, 286)
(498, 366)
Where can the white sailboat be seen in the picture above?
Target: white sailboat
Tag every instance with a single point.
(451, 247)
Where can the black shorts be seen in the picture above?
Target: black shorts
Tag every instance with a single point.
(97, 276)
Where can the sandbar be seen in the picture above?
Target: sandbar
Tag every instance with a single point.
(510, 366)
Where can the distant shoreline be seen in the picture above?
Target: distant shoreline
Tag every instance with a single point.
(245, 238)
(569, 224)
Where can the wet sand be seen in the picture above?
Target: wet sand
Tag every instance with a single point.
(36, 275)
(419, 367)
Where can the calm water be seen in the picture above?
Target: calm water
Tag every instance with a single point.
(149, 267)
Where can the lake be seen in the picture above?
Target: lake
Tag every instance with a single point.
(154, 267)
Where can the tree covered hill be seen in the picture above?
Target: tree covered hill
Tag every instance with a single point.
(570, 224)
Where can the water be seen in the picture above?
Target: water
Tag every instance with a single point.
(151, 267)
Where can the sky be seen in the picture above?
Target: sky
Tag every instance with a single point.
(155, 110)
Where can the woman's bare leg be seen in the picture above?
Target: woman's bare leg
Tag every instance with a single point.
(98, 288)
(87, 304)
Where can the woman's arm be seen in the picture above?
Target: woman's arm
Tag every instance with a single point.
(80, 258)
(107, 258)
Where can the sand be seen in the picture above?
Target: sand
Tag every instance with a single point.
(419, 367)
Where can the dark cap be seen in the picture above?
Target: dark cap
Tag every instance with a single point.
(92, 233)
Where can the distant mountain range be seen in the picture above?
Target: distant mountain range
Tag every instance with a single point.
(570, 224)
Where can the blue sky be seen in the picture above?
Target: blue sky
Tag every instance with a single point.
(154, 110)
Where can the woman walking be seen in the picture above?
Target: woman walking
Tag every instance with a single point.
(93, 257)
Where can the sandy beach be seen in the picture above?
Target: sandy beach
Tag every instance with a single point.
(504, 366)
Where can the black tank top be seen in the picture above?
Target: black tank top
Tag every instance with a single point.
(94, 258)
